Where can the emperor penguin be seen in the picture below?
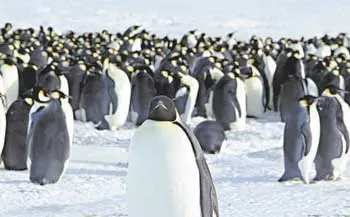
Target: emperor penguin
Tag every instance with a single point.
(14, 153)
(174, 188)
(3, 109)
(49, 153)
(122, 88)
(229, 102)
(210, 135)
(9, 72)
(255, 93)
(301, 139)
(143, 91)
(333, 152)
(270, 69)
(189, 92)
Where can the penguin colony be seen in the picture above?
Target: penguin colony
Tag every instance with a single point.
(48, 80)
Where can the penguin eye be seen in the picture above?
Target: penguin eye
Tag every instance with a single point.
(29, 100)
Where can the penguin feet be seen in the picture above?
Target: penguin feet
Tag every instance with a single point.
(39, 181)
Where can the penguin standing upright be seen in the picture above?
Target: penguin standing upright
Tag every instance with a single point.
(49, 153)
(192, 84)
(174, 188)
(10, 78)
(14, 154)
(301, 139)
(122, 87)
(143, 90)
(229, 102)
(333, 152)
(2, 114)
(270, 68)
(255, 93)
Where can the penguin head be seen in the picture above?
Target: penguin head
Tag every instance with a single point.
(162, 108)
(59, 95)
(307, 100)
(40, 95)
(332, 90)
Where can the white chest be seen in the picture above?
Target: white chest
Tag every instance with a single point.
(163, 177)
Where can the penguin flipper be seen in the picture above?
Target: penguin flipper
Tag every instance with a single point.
(342, 128)
(208, 197)
(112, 96)
(307, 138)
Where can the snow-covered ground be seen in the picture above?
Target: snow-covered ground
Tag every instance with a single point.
(245, 173)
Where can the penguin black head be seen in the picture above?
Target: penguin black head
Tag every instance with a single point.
(331, 90)
(40, 95)
(59, 95)
(307, 100)
(162, 108)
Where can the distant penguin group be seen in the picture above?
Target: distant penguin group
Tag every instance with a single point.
(49, 79)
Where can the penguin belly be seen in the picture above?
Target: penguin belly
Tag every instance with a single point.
(255, 97)
(193, 85)
(159, 183)
(2, 121)
(306, 163)
(241, 98)
(64, 85)
(11, 85)
(123, 91)
(270, 68)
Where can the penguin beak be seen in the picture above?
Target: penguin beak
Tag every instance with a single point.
(160, 104)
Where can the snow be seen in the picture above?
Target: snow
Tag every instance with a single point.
(245, 173)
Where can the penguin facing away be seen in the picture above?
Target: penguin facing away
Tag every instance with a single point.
(14, 153)
(49, 153)
(301, 139)
(174, 188)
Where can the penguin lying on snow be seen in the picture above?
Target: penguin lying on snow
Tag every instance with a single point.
(210, 135)
(174, 188)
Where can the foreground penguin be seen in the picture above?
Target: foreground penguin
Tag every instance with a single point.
(301, 138)
(14, 153)
(49, 152)
(333, 151)
(175, 188)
